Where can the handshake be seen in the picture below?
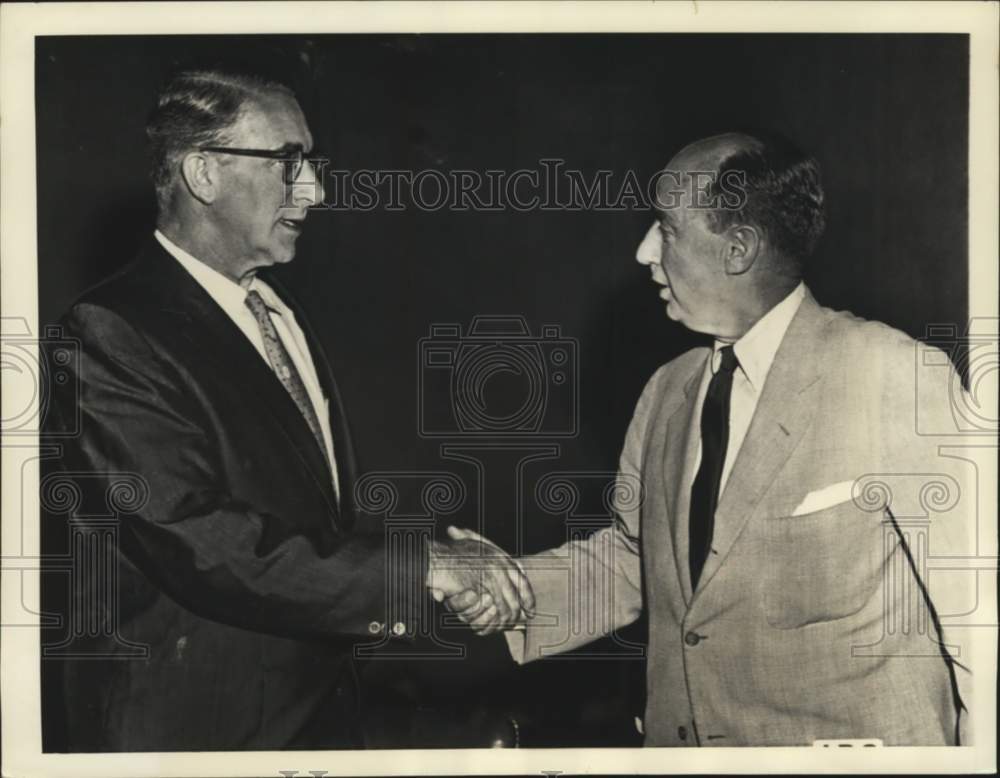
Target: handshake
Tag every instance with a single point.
(479, 582)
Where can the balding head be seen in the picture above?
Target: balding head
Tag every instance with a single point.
(780, 191)
(709, 153)
(737, 215)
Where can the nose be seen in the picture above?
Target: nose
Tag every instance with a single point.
(307, 189)
(648, 252)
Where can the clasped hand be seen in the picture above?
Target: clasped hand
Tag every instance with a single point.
(479, 582)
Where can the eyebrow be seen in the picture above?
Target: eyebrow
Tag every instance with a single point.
(664, 218)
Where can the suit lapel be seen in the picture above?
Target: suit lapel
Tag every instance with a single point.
(213, 337)
(343, 448)
(784, 412)
(679, 449)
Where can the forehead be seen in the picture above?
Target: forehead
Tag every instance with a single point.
(271, 122)
(673, 196)
(692, 169)
(679, 205)
(684, 181)
(674, 190)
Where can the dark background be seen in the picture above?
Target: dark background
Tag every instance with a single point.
(886, 116)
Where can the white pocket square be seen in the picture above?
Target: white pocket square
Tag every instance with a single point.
(824, 498)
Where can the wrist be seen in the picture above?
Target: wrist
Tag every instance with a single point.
(435, 549)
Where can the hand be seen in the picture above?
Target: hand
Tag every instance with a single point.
(477, 609)
(478, 575)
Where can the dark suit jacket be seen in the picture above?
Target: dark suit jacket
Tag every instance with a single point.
(237, 568)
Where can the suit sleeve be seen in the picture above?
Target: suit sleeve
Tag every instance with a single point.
(589, 588)
(932, 465)
(210, 550)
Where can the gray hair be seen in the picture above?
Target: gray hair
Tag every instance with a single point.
(197, 107)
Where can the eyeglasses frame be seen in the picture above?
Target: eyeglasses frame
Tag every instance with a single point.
(294, 158)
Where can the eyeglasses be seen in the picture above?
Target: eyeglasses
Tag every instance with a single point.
(294, 159)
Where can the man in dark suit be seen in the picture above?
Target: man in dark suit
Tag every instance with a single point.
(201, 386)
(791, 500)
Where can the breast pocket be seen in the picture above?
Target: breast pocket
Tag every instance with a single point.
(821, 566)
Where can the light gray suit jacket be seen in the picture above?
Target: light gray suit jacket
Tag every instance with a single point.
(809, 620)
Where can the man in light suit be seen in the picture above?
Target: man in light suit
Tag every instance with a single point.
(200, 387)
(784, 606)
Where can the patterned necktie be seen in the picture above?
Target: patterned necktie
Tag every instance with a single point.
(714, 439)
(284, 368)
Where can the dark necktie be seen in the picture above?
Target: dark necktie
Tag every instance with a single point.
(714, 438)
(284, 368)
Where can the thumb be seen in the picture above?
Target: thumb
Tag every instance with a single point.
(455, 533)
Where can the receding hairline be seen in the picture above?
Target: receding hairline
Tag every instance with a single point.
(256, 109)
(708, 154)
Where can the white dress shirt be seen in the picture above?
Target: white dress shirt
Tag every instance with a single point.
(231, 297)
(755, 352)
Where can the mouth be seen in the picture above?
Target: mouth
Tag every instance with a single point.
(293, 225)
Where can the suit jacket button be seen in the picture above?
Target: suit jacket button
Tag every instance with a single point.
(692, 638)
(682, 733)
(375, 627)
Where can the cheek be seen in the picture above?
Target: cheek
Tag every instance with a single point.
(240, 204)
(257, 198)
(672, 261)
(684, 260)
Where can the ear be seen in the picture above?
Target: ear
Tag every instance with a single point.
(201, 176)
(743, 245)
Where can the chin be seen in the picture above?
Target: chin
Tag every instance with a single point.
(281, 256)
(685, 320)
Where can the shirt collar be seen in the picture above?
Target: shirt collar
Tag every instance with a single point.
(756, 349)
(227, 293)
(230, 296)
